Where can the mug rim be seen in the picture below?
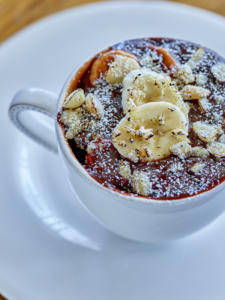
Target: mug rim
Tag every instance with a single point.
(73, 161)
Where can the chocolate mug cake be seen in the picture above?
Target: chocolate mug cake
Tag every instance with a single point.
(147, 116)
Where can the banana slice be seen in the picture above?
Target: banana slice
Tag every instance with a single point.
(120, 67)
(148, 131)
(142, 86)
(101, 64)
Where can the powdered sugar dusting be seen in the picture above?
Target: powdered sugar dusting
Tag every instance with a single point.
(172, 177)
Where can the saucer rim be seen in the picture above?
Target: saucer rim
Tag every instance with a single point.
(12, 39)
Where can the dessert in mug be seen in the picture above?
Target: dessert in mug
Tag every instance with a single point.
(147, 116)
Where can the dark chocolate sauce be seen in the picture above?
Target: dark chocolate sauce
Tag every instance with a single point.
(170, 178)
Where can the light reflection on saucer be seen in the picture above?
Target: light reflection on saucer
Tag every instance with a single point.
(39, 205)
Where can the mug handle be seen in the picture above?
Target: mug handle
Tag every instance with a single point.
(37, 100)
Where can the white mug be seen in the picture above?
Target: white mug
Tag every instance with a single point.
(130, 216)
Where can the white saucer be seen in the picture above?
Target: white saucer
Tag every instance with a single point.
(36, 261)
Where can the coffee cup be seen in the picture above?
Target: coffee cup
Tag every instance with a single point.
(128, 215)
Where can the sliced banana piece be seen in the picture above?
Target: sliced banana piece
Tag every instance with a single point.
(143, 86)
(102, 62)
(148, 131)
(121, 66)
